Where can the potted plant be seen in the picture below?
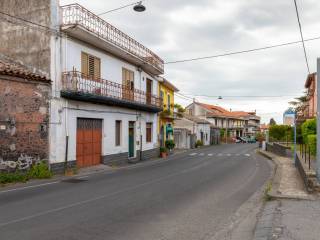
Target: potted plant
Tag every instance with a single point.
(199, 143)
(170, 144)
(163, 152)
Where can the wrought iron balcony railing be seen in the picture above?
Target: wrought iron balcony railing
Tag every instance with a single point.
(75, 14)
(77, 84)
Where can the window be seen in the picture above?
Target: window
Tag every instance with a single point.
(168, 101)
(128, 78)
(90, 66)
(118, 133)
(149, 132)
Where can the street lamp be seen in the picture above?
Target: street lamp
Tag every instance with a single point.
(139, 7)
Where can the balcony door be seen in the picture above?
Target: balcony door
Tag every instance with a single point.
(127, 84)
(149, 91)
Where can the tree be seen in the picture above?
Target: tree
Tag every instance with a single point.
(179, 109)
(281, 132)
(272, 122)
(299, 103)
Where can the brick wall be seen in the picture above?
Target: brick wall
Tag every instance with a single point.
(24, 118)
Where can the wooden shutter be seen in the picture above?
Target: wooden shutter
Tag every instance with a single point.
(118, 133)
(90, 66)
(97, 66)
(84, 63)
(148, 132)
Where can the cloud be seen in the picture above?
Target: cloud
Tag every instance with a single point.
(179, 29)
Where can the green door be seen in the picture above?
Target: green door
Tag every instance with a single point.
(131, 139)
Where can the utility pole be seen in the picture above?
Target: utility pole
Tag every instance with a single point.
(318, 121)
(295, 141)
(226, 130)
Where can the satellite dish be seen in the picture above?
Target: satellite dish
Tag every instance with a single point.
(139, 7)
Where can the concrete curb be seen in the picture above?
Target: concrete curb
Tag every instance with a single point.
(264, 226)
(273, 194)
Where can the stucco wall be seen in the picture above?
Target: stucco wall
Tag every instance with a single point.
(28, 45)
(205, 128)
(111, 67)
(69, 113)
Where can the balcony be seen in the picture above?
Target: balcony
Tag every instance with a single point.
(84, 25)
(77, 86)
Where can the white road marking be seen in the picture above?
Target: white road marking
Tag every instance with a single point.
(210, 154)
(27, 187)
(228, 154)
(192, 154)
(75, 204)
(248, 155)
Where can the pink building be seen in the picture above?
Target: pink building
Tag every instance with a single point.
(311, 86)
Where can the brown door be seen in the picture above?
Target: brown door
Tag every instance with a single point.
(149, 91)
(89, 142)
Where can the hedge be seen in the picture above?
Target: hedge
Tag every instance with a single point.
(312, 142)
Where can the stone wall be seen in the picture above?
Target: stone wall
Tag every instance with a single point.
(279, 149)
(24, 118)
(23, 42)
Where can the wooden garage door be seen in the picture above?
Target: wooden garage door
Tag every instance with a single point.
(89, 137)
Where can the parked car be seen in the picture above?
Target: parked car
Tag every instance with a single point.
(252, 139)
(241, 140)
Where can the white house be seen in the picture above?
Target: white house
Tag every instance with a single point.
(196, 126)
(104, 102)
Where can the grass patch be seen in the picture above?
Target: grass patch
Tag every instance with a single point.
(37, 171)
(267, 190)
(13, 177)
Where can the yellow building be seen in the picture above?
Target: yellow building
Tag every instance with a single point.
(165, 127)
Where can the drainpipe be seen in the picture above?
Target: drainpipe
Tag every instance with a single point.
(67, 138)
(318, 121)
(140, 116)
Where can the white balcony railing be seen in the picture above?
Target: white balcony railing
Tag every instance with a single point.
(75, 14)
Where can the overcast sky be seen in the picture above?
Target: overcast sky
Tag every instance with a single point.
(179, 29)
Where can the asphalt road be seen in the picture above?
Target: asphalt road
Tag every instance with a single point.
(190, 196)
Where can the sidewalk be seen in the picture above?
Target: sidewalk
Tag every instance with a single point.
(292, 213)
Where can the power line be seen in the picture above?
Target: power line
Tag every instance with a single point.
(242, 51)
(240, 96)
(30, 22)
(119, 8)
(302, 40)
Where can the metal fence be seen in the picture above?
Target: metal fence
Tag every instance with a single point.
(305, 154)
(74, 81)
(75, 14)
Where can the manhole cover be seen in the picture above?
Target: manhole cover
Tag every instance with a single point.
(74, 180)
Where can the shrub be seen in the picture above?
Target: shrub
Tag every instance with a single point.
(199, 143)
(309, 127)
(312, 142)
(170, 144)
(281, 133)
(12, 177)
(163, 149)
(40, 171)
(260, 137)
